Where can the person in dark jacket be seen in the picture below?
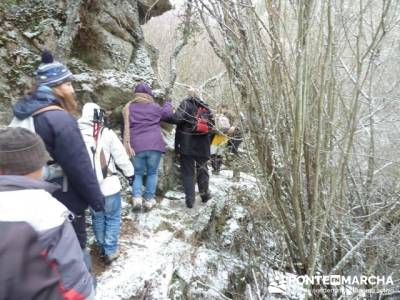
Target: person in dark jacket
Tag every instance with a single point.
(51, 105)
(25, 274)
(24, 197)
(193, 147)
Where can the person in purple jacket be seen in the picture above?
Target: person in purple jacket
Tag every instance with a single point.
(143, 140)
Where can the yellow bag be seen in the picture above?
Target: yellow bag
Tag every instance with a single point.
(219, 139)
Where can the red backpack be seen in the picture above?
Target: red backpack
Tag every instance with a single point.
(202, 117)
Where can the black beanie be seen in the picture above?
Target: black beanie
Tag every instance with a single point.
(21, 151)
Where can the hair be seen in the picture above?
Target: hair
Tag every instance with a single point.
(195, 93)
(68, 102)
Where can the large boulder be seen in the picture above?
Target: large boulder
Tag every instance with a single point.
(151, 8)
(101, 41)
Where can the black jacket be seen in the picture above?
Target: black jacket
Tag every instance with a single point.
(64, 142)
(25, 273)
(188, 142)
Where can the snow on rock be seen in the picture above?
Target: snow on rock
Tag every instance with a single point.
(141, 65)
(168, 257)
(175, 195)
(148, 259)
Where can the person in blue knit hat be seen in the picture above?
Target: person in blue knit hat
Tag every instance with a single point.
(51, 104)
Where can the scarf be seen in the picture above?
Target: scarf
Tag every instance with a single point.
(137, 98)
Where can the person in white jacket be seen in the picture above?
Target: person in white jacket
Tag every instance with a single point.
(107, 153)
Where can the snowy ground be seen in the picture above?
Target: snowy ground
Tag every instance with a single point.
(161, 258)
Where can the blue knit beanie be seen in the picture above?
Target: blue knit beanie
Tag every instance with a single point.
(52, 73)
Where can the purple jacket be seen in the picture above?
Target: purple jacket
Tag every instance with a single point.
(144, 123)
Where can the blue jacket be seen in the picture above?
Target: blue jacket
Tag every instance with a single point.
(64, 142)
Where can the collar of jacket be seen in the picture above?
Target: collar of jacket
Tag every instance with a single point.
(142, 98)
(16, 182)
(42, 97)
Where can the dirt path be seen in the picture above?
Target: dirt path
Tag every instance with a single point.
(159, 252)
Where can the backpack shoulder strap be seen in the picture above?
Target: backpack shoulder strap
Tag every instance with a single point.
(104, 164)
(47, 108)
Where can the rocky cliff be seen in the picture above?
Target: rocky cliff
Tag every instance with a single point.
(101, 41)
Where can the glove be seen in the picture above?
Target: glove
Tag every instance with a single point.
(131, 179)
(100, 206)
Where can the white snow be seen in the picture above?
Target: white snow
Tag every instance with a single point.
(162, 257)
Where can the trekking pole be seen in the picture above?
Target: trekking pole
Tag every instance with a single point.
(96, 124)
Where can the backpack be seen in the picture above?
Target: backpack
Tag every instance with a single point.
(50, 171)
(98, 153)
(202, 117)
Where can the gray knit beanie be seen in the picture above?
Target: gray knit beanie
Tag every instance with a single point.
(21, 151)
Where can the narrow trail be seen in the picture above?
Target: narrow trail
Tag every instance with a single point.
(161, 251)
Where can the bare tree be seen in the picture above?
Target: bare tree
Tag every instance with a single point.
(307, 75)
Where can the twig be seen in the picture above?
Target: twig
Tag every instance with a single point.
(214, 289)
(256, 283)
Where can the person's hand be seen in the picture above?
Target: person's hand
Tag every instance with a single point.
(131, 179)
(100, 206)
(231, 130)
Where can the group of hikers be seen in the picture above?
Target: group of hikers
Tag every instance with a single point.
(53, 167)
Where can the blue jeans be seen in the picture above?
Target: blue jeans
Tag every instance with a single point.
(149, 161)
(106, 225)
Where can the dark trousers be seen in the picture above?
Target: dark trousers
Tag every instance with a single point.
(190, 167)
(216, 162)
(235, 141)
(79, 225)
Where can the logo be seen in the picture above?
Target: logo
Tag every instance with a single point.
(338, 280)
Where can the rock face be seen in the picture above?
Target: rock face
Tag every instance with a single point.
(150, 8)
(110, 32)
(100, 40)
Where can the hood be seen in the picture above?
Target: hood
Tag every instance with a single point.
(88, 112)
(85, 122)
(40, 98)
(15, 182)
(144, 88)
(197, 101)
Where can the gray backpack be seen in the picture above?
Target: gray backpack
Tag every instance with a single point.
(50, 171)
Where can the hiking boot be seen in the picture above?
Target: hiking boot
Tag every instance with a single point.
(108, 259)
(149, 204)
(189, 204)
(137, 203)
(206, 197)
